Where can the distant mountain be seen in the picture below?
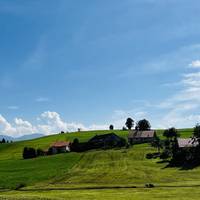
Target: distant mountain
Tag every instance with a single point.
(29, 137)
(24, 137)
(6, 138)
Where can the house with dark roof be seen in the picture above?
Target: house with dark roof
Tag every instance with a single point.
(137, 137)
(60, 147)
(109, 140)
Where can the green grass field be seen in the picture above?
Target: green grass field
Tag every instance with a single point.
(94, 174)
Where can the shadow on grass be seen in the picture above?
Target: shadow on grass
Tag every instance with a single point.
(182, 166)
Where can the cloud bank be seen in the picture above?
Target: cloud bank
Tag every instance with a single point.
(47, 123)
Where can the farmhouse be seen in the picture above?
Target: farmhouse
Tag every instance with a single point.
(137, 137)
(60, 147)
(185, 143)
(106, 141)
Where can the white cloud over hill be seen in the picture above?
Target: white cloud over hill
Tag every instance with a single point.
(47, 123)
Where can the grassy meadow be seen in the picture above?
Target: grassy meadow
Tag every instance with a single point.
(96, 174)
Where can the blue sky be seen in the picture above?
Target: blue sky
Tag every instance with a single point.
(67, 64)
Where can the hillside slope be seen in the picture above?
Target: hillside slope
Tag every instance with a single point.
(94, 174)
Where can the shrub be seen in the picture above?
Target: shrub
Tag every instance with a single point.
(50, 151)
(40, 152)
(75, 145)
(164, 155)
(29, 153)
(152, 155)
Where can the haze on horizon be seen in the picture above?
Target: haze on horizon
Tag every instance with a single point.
(88, 64)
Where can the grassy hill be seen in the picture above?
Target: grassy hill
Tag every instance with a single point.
(93, 174)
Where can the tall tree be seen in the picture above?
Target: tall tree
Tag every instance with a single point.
(196, 131)
(171, 133)
(3, 141)
(111, 127)
(129, 123)
(143, 125)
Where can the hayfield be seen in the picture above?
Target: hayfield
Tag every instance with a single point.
(96, 174)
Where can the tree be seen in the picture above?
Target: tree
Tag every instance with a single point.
(124, 128)
(129, 123)
(171, 133)
(111, 127)
(143, 125)
(75, 145)
(157, 143)
(196, 131)
(3, 141)
(40, 152)
(171, 143)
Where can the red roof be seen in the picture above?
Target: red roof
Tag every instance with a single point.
(60, 144)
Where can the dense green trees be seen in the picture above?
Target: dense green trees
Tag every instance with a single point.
(111, 127)
(171, 133)
(143, 125)
(129, 123)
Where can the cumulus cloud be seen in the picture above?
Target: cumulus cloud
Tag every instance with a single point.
(47, 123)
(5, 126)
(53, 123)
(195, 64)
(18, 128)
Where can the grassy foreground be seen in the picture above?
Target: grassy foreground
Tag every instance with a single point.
(93, 174)
(117, 194)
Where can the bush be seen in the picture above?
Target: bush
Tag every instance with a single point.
(50, 151)
(40, 152)
(164, 155)
(152, 155)
(75, 145)
(29, 153)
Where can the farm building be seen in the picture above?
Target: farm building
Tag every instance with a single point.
(60, 147)
(137, 137)
(185, 143)
(106, 141)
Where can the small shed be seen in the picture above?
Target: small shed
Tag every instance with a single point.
(60, 147)
(137, 137)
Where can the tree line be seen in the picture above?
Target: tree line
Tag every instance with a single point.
(141, 125)
(4, 141)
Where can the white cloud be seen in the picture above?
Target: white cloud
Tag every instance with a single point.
(5, 126)
(51, 122)
(195, 64)
(182, 108)
(18, 128)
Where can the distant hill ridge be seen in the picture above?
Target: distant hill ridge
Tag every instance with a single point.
(21, 138)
